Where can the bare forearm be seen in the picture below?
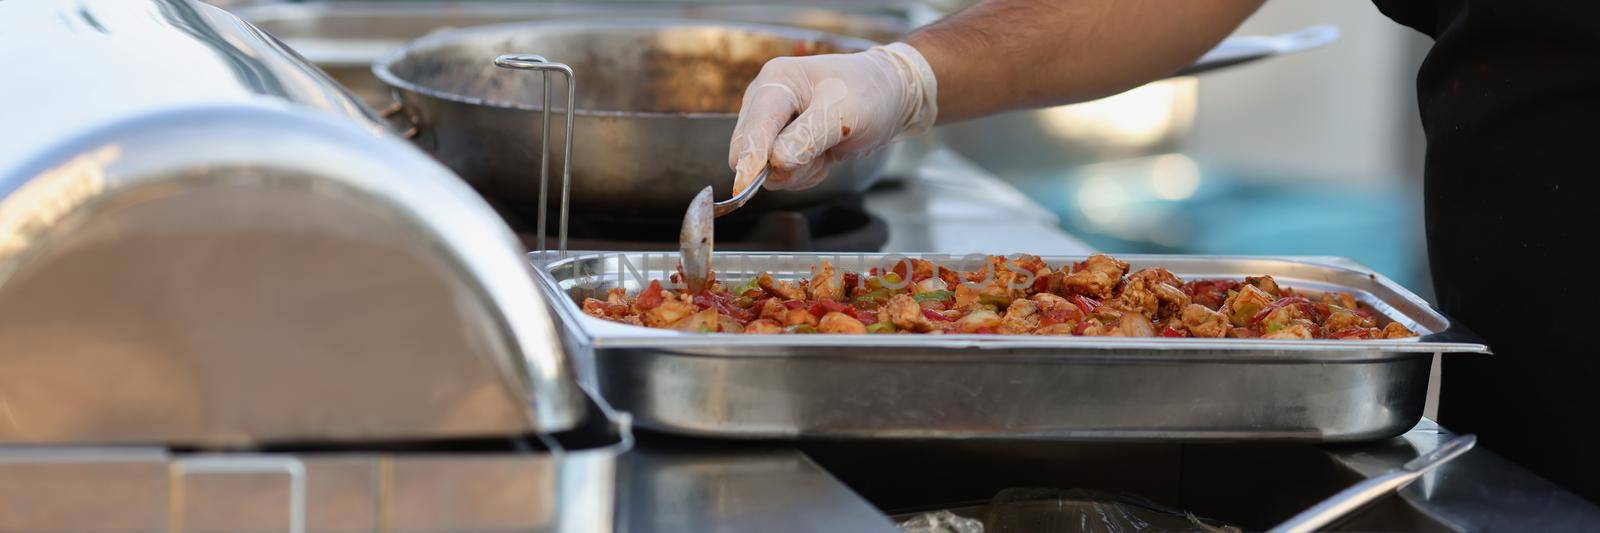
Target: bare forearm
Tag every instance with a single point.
(1009, 54)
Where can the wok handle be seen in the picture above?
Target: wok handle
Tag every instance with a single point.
(544, 67)
(398, 108)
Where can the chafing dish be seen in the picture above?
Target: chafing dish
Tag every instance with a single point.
(926, 386)
(205, 241)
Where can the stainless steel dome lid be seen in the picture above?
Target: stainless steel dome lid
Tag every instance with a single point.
(203, 240)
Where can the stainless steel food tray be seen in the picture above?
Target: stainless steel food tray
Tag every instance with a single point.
(943, 386)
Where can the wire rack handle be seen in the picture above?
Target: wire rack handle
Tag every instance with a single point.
(545, 67)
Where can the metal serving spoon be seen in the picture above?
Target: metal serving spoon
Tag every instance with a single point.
(1359, 495)
(695, 239)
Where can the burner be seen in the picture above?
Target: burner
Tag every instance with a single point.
(839, 226)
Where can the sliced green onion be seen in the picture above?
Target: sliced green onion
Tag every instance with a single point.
(801, 328)
(874, 296)
(935, 295)
(881, 327)
(747, 286)
(997, 301)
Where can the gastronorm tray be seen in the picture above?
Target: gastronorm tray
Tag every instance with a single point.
(999, 386)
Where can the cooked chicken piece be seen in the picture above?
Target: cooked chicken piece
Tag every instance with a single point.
(669, 312)
(1136, 297)
(973, 295)
(1093, 327)
(1056, 329)
(780, 288)
(763, 326)
(1030, 263)
(903, 311)
(772, 309)
(1265, 283)
(929, 285)
(1296, 330)
(1021, 317)
(1280, 317)
(1394, 330)
(1172, 300)
(1154, 299)
(982, 318)
(594, 308)
(1055, 310)
(728, 324)
(826, 283)
(920, 269)
(1203, 322)
(1341, 299)
(1242, 333)
(704, 321)
(797, 317)
(1156, 275)
(836, 322)
(967, 298)
(1135, 325)
(1244, 305)
(1104, 263)
(617, 295)
(1089, 283)
(1341, 319)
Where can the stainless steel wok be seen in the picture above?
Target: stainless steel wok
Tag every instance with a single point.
(657, 102)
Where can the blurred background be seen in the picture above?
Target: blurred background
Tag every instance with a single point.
(1312, 153)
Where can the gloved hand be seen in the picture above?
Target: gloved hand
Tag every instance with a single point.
(847, 105)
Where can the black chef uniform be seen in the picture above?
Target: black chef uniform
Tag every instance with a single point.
(1510, 98)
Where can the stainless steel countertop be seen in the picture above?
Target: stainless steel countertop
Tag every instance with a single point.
(674, 484)
(667, 484)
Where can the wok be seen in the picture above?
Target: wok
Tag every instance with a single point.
(657, 103)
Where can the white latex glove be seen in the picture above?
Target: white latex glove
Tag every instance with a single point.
(847, 105)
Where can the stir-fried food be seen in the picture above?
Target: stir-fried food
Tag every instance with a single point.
(1020, 296)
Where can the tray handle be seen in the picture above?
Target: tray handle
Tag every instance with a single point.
(544, 67)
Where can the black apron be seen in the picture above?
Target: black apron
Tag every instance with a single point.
(1510, 101)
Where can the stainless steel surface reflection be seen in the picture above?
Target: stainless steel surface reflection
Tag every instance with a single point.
(153, 489)
(1010, 386)
(204, 240)
(715, 487)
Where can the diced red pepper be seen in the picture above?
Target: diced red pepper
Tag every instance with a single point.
(1170, 332)
(1041, 283)
(1087, 304)
(1366, 313)
(824, 306)
(651, 296)
(867, 318)
(1081, 327)
(794, 304)
(1279, 304)
(851, 280)
(706, 300)
(1057, 315)
(934, 315)
(1080, 265)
